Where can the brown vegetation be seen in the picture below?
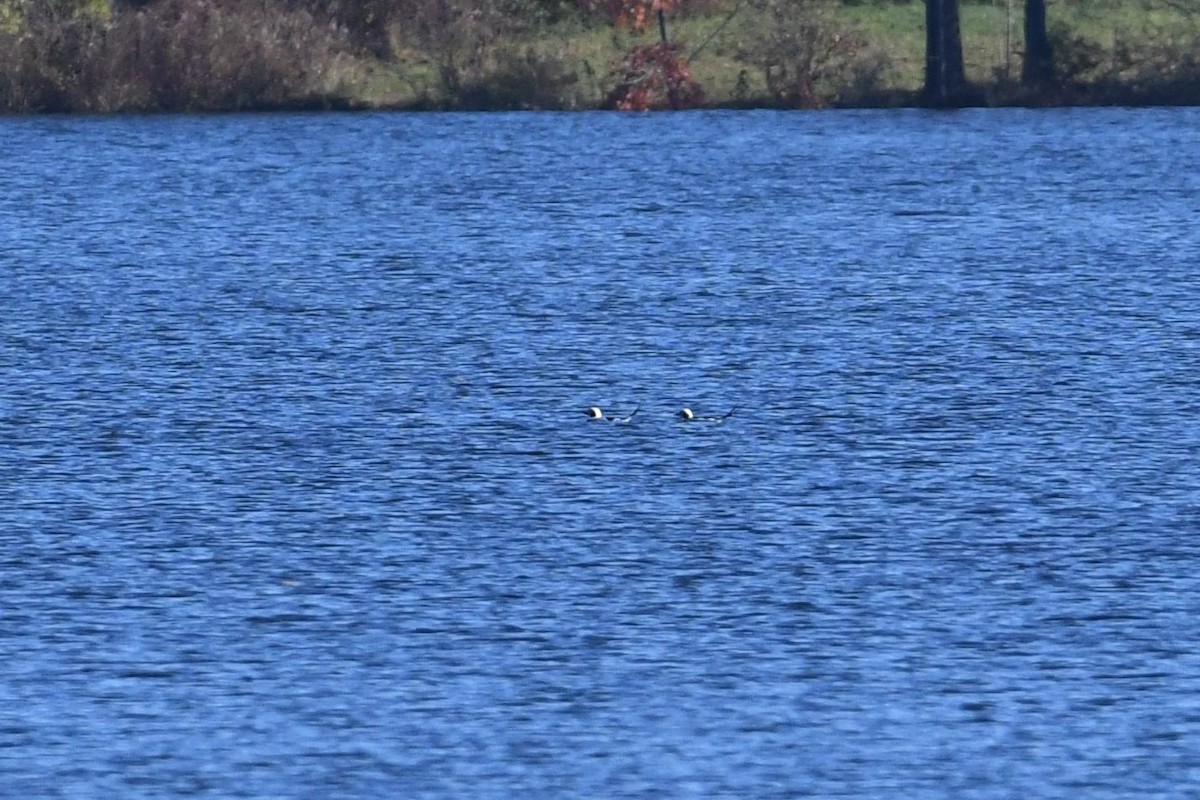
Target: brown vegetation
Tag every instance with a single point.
(101, 56)
(204, 55)
(654, 76)
(173, 55)
(806, 59)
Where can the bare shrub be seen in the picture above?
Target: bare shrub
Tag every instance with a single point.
(174, 55)
(457, 38)
(366, 22)
(41, 58)
(526, 79)
(807, 60)
(1076, 59)
(1165, 70)
(1150, 64)
(478, 54)
(200, 54)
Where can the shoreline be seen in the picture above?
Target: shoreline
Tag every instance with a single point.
(210, 56)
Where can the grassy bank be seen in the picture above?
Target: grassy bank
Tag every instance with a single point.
(862, 54)
(177, 55)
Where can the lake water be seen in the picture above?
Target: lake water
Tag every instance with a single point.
(298, 498)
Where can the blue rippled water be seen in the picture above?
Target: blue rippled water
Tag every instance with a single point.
(298, 498)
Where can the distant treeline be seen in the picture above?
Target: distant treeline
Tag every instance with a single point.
(102, 56)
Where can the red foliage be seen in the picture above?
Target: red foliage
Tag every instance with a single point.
(633, 14)
(655, 76)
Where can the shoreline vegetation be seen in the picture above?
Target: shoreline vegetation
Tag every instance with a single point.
(146, 56)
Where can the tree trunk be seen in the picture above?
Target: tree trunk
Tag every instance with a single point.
(945, 79)
(1039, 56)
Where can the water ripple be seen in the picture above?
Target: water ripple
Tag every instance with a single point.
(299, 498)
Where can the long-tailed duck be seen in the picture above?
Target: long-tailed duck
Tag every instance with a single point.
(595, 413)
(687, 416)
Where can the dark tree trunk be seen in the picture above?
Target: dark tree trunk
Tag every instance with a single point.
(1039, 56)
(945, 80)
(672, 88)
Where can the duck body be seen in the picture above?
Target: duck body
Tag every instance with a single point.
(687, 415)
(595, 413)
